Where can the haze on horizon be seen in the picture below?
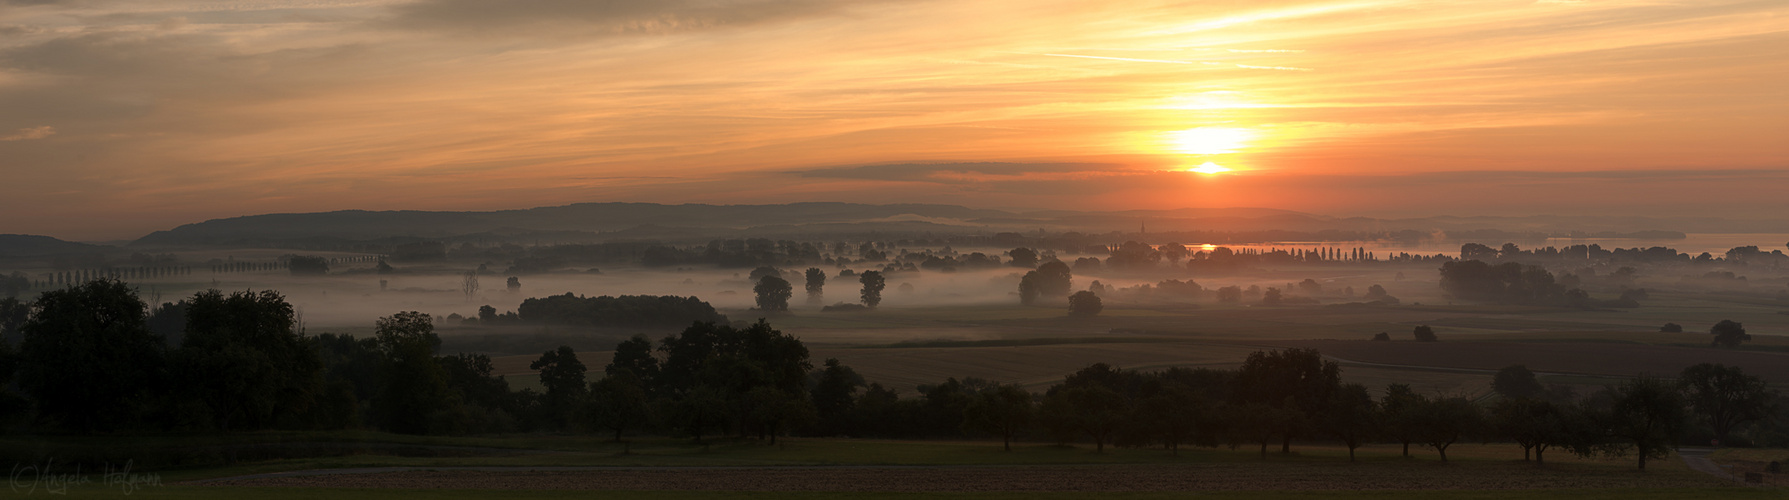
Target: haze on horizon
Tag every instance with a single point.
(121, 118)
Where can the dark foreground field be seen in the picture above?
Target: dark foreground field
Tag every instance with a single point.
(1234, 476)
(578, 467)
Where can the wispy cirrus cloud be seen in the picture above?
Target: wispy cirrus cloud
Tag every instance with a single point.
(30, 133)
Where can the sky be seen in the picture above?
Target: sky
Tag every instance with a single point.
(121, 117)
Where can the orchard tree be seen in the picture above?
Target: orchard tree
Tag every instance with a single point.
(1647, 415)
(1726, 396)
(618, 402)
(1004, 411)
(1352, 417)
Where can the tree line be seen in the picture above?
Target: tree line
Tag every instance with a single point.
(87, 362)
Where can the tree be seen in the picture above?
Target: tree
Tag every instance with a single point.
(1401, 408)
(1382, 337)
(873, 284)
(698, 410)
(1174, 414)
(1671, 328)
(13, 314)
(1230, 294)
(774, 410)
(1647, 415)
(1023, 257)
(514, 284)
(1053, 279)
(1424, 334)
(1272, 297)
(1728, 333)
(618, 402)
(469, 285)
(816, 283)
(1084, 303)
(1516, 381)
(1003, 411)
(415, 385)
(301, 265)
(243, 359)
(1298, 382)
(634, 356)
(1534, 424)
(1726, 396)
(1091, 409)
(563, 377)
(1442, 422)
(773, 293)
(88, 358)
(834, 394)
(1352, 417)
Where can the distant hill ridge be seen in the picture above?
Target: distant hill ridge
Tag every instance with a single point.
(30, 245)
(586, 222)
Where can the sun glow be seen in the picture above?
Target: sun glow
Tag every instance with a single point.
(1209, 168)
(1210, 140)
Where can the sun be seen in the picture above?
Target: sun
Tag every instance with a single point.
(1209, 168)
(1210, 140)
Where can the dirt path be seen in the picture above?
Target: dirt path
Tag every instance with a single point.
(1697, 458)
(1227, 476)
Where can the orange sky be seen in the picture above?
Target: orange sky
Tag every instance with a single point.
(119, 117)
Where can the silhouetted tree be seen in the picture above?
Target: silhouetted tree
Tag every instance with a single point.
(1351, 416)
(1424, 334)
(1401, 408)
(1534, 424)
(1726, 396)
(1230, 294)
(1671, 328)
(834, 394)
(1516, 381)
(87, 357)
(1023, 257)
(872, 288)
(1442, 422)
(634, 356)
(513, 284)
(415, 386)
(773, 293)
(1271, 297)
(618, 402)
(241, 356)
(816, 283)
(1729, 334)
(1003, 411)
(1084, 303)
(1648, 415)
(563, 377)
(1091, 409)
(1382, 337)
(1296, 381)
(307, 265)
